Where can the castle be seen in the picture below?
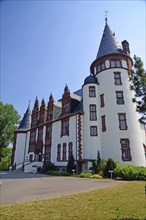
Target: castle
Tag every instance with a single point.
(98, 117)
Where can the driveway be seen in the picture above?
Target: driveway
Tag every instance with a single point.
(19, 187)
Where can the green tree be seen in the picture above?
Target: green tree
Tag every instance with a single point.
(9, 120)
(138, 78)
(6, 160)
(110, 165)
(71, 164)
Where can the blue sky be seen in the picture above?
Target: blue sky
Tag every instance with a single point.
(48, 44)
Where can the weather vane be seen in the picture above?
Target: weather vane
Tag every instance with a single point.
(106, 16)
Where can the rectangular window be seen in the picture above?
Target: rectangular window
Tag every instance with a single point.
(31, 147)
(122, 121)
(92, 92)
(117, 77)
(65, 107)
(70, 150)
(49, 115)
(40, 134)
(100, 67)
(103, 123)
(93, 114)
(93, 130)
(35, 120)
(33, 136)
(102, 101)
(48, 152)
(64, 152)
(115, 63)
(59, 152)
(65, 127)
(120, 97)
(125, 148)
(48, 131)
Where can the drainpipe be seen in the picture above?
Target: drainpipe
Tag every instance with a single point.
(76, 142)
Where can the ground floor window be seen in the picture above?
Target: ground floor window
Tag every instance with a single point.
(64, 152)
(48, 153)
(58, 152)
(38, 157)
(70, 150)
(125, 148)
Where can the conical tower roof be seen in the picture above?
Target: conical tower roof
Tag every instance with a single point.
(26, 121)
(108, 43)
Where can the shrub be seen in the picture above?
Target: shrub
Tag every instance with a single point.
(96, 176)
(55, 173)
(71, 164)
(130, 172)
(85, 175)
(110, 165)
(64, 173)
(52, 173)
(47, 166)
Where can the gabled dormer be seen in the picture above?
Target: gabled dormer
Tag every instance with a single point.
(50, 109)
(35, 114)
(42, 113)
(66, 101)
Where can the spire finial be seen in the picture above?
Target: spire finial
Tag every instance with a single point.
(106, 16)
(29, 103)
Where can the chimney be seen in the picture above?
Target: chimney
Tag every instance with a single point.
(125, 46)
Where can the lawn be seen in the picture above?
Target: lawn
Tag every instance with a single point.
(125, 201)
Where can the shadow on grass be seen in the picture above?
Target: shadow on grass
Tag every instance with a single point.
(128, 219)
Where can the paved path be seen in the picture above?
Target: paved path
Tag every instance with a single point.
(18, 186)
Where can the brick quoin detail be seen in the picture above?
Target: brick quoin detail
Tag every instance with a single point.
(79, 138)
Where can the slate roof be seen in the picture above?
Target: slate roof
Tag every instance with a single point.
(108, 44)
(26, 121)
(90, 79)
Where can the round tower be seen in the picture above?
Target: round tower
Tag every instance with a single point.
(91, 136)
(119, 127)
(21, 140)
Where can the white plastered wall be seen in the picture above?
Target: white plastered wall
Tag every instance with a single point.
(91, 144)
(110, 140)
(57, 139)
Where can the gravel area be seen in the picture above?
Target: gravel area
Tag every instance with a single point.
(19, 187)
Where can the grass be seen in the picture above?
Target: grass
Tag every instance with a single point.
(125, 201)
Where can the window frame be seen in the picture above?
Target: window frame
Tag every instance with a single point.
(48, 152)
(115, 63)
(93, 112)
(33, 136)
(70, 149)
(59, 152)
(49, 131)
(118, 80)
(102, 103)
(65, 127)
(120, 100)
(122, 121)
(64, 158)
(92, 92)
(40, 134)
(93, 131)
(126, 151)
(103, 120)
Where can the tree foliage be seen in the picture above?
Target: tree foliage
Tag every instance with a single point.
(9, 120)
(110, 165)
(6, 160)
(138, 78)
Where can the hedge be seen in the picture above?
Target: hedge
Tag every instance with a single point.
(130, 172)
